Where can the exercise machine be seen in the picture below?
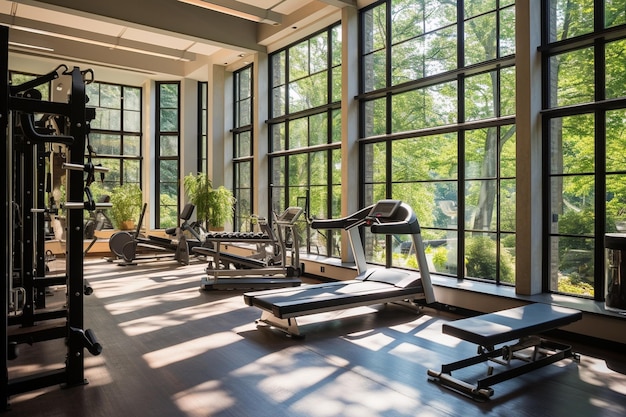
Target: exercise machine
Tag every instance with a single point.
(31, 322)
(128, 246)
(373, 285)
(274, 264)
(520, 351)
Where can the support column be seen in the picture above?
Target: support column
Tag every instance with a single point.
(529, 247)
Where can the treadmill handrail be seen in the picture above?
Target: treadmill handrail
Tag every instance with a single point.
(343, 222)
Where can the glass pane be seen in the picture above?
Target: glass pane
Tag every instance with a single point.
(481, 153)
(421, 197)
(104, 144)
(424, 158)
(375, 115)
(245, 112)
(572, 266)
(479, 96)
(615, 140)
(169, 173)
(572, 78)
(132, 98)
(243, 144)
(168, 145)
(336, 37)
(407, 61)
(429, 107)
(318, 129)
(111, 96)
(375, 160)
(481, 256)
(278, 170)
(168, 96)
(408, 17)
(298, 133)
(374, 71)
(572, 205)
(374, 29)
(92, 91)
(616, 203)
(481, 204)
(507, 91)
(615, 61)
(480, 38)
(299, 61)
(507, 31)
(132, 121)
(107, 119)
(279, 101)
(168, 120)
(570, 18)
(132, 145)
(336, 85)
(319, 53)
(336, 126)
(132, 171)
(308, 92)
(614, 12)
(278, 68)
(319, 168)
(440, 51)
(508, 141)
(573, 147)
(298, 170)
(278, 137)
(507, 205)
(476, 7)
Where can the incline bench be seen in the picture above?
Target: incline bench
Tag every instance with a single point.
(518, 324)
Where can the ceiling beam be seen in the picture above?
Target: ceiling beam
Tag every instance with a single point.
(340, 3)
(168, 17)
(242, 10)
(18, 24)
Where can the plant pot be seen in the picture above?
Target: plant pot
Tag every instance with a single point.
(127, 225)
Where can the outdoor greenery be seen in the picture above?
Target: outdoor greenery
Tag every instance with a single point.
(126, 203)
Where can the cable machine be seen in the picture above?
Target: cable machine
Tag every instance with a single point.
(23, 294)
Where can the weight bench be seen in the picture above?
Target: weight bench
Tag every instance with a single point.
(520, 325)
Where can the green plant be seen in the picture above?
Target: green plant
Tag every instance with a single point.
(126, 203)
(214, 206)
(221, 206)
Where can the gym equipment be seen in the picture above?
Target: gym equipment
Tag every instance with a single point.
(268, 267)
(127, 246)
(489, 330)
(23, 228)
(371, 286)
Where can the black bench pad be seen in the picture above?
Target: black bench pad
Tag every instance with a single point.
(506, 325)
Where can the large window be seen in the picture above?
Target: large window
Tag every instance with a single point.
(305, 132)
(437, 130)
(584, 120)
(116, 131)
(242, 147)
(167, 154)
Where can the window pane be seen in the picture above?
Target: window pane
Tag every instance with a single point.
(132, 121)
(111, 96)
(374, 71)
(572, 208)
(107, 119)
(572, 266)
(507, 91)
(104, 144)
(615, 140)
(375, 115)
(132, 145)
(168, 96)
(480, 205)
(132, 98)
(319, 168)
(424, 158)
(507, 31)
(243, 144)
(299, 61)
(480, 38)
(479, 96)
(616, 203)
(319, 53)
(570, 18)
(615, 62)
(429, 107)
(132, 171)
(308, 92)
(298, 133)
(573, 77)
(168, 121)
(168, 146)
(572, 145)
(318, 129)
(375, 164)
(374, 29)
(614, 12)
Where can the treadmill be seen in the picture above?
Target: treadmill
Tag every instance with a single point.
(281, 307)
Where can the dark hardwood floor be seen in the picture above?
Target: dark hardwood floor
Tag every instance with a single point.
(173, 350)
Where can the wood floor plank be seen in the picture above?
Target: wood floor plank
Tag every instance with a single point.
(173, 350)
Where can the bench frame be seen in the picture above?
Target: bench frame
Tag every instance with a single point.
(533, 352)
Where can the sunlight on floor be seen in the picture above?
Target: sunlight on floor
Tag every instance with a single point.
(189, 349)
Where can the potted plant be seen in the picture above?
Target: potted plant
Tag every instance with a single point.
(221, 207)
(126, 205)
(214, 207)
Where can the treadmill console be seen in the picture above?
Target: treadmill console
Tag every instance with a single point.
(384, 209)
(290, 215)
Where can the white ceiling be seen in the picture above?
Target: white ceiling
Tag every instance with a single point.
(155, 36)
